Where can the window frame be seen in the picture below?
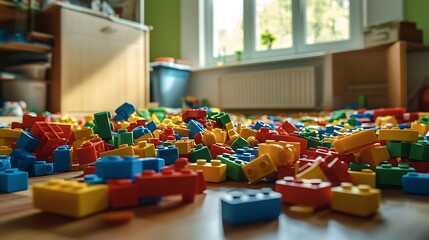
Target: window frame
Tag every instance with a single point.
(299, 45)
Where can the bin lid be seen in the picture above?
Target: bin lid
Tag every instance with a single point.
(171, 65)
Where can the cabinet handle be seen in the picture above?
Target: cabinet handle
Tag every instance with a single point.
(108, 29)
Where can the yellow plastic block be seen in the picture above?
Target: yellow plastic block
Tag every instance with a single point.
(314, 171)
(351, 142)
(10, 133)
(396, 134)
(122, 150)
(252, 141)
(184, 145)
(156, 133)
(182, 131)
(361, 200)
(365, 176)
(70, 198)
(5, 150)
(154, 118)
(420, 127)
(134, 118)
(83, 133)
(78, 142)
(247, 132)
(145, 137)
(89, 118)
(259, 168)
(386, 121)
(220, 135)
(124, 124)
(375, 155)
(239, 127)
(280, 155)
(209, 138)
(214, 171)
(142, 147)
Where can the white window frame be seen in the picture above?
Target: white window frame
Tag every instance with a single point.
(299, 45)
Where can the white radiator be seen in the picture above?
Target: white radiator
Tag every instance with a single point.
(292, 88)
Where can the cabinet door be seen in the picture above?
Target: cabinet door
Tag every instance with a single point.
(102, 64)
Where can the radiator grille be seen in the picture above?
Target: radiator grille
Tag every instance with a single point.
(292, 88)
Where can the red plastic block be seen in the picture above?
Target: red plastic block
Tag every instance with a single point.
(308, 192)
(288, 127)
(15, 125)
(278, 137)
(398, 113)
(285, 171)
(154, 141)
(168, 182)
(194, 113)
(410, 117)
(166, 133)
(29, 120)
(182, 163)
(263, 134)
(198, 138)
(302, 142)
(122, 193)
(89, 170)
(136, 124)
(99, 146)
(219, 149)
(47, 144)
(337, 172)
(86, 153)
(420, 167)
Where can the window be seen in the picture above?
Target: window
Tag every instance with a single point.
(258, 29)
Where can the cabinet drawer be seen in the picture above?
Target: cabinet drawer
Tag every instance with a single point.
(89, 25)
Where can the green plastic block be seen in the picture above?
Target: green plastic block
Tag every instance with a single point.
(234, 166)
(424, 120)
(222, 118)
(419, 151)
(312, 142)
(327, 144)
(103, 124)
(357, 167)
(166, 144)
(352, 122)
(200, 152)
(388, 176)
(398, 149)
(240, 143)
(123, 137)
(336, 115)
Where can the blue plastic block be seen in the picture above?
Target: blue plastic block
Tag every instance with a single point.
(27, 141)
(194, 128)
(151, 126)
(13, 180)
(4, 162)
(169, 154)
(247, 157)
(252, 151)
(150, 200)
(140, 131)
(153, 164)
(42, 168)
(416, 183)
(241, 207)
(62, 159)
(114, 167)
(124, 112)
(93, 179)
(21, 159)
(260, 124)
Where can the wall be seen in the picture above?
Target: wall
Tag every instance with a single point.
(379, 11)
(417, 11)
(164, 16)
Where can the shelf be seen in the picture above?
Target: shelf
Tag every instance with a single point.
(16, 46)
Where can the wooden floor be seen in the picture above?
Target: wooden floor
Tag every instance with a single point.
(400, 217)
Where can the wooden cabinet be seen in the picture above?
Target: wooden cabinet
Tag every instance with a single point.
(378, 73)
(98, 64)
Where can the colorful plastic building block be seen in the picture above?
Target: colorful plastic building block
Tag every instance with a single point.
(153, 163)
(364, 176)
(355, 141)
(315, 169)
(398, 149)
(168, 182)
(308, 192)
(360, 201)
(396, 134)
(103, 125)
(27, 141)
(5, 150)
(123, 137)
(122, 150)
(234, 166)
(42, 168)
(124, 112)
(77, 199)
(4, 162)
(242, 207)
(260, 168)
(21, 159)
(375, 155)
(280, 154)
(416, 183)
(122, 193)
(169, 154)
(86, 154)
(419, 151)
(219, 149)
(115, 167)
(13, 180)
(200, 152)
(194, 114)
(354, 166)
(215, 171)
(387, 175)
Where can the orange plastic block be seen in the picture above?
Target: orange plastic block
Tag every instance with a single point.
(5, 150)
(361, 200)
(214, 171)
(396, 134)
(354, 141)
(308, 192)
(365, 176)
(420, 127)
(259, 168)
(123, 150)
(70, 198)
(375, 155)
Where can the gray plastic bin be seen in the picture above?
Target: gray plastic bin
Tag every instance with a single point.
(168, 83)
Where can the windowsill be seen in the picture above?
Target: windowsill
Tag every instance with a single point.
(305, 56)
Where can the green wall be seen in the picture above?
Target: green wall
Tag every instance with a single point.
(164, 16)
(417, 11)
